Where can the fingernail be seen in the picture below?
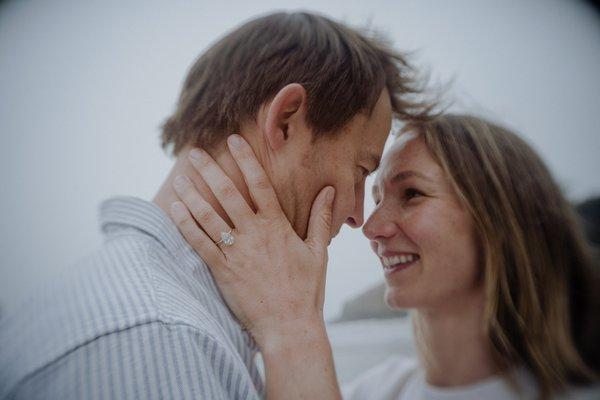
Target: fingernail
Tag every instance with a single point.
(181, 180)
(235, 140)
(330, 194)
(195, 154)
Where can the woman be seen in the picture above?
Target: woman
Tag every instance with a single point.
(473, 235)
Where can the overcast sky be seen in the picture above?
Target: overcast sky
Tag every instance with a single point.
(86, 85)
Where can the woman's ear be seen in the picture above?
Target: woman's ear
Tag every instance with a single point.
(288, 106)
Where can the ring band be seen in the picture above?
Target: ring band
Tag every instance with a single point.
(227, 239)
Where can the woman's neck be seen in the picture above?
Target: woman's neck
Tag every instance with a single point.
(452, 343)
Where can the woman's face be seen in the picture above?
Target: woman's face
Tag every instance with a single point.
(420, 232)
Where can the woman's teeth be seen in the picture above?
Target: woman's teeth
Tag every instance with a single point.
(395, 260)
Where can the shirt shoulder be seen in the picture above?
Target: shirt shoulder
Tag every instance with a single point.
(130, 281)
(384, 381)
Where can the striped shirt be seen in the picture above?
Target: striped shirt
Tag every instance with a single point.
(141, 318)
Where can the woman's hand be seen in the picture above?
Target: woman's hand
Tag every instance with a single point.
(272, 280)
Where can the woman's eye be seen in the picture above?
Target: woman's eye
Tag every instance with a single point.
(411, 193)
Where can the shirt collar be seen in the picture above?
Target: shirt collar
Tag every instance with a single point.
(124, 211)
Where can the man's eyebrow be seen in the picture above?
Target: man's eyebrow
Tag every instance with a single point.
(403, 175)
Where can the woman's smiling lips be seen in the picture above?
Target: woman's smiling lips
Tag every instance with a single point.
(393, 262)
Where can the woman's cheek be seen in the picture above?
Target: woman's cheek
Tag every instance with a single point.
(429, 229)
(450, 249)
(373, 246)
(422, 227)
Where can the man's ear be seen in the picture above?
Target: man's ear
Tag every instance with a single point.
(288, 106)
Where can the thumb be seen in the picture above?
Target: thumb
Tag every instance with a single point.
(319, 224)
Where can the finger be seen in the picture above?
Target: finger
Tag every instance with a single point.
(319, 224)
(200, 242)
(262, 192)
(222, 187)
(206, 217)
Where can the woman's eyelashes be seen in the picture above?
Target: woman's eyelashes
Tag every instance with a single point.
(411, 193)
(406, 195)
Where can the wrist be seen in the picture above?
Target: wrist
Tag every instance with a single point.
(284, 336)
(298, 362)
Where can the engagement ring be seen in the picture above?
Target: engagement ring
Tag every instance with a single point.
(227, 239)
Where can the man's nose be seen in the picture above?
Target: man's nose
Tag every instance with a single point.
(354, 222)
(357, 218)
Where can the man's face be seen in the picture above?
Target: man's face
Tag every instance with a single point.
(343, 161)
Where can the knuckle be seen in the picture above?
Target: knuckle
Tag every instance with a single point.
(271, 205)
(261, 241)
(181, 220)
(201, 161)
(261, 183)
(204, 215)
(227, 191)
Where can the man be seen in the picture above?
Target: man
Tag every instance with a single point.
(141, 317)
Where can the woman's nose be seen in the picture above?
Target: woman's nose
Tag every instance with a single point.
(378, 226)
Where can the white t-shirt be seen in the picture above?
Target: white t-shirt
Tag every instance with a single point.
(400, 378)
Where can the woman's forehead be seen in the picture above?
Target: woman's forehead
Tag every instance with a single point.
(401, 150)
(404, 138)
(408, 155)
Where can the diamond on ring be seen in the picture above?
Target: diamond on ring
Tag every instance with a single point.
(227, 239)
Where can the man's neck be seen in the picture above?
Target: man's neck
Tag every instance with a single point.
(167, 196)
(453, 345)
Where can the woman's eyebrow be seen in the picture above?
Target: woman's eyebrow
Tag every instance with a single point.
(403, 175)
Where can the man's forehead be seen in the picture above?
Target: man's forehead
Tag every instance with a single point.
(374, 129)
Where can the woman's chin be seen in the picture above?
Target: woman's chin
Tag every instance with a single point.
(397, 299)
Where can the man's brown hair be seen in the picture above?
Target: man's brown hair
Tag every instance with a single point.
(342, 70)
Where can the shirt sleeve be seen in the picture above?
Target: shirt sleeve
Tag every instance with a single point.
(150, 361)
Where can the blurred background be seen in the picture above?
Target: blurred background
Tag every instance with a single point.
(86, 85)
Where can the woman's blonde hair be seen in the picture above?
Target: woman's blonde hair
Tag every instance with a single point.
(540, 284)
